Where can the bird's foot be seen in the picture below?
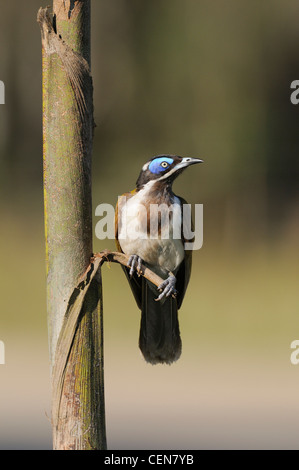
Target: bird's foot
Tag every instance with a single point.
(167, 287)
(134, 264)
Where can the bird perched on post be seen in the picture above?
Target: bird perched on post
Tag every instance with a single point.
(149, 229)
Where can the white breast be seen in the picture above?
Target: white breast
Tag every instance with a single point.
(162, 252)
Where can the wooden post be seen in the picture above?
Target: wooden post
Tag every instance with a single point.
(78, 411)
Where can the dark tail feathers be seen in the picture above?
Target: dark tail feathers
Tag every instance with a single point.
(159, 339)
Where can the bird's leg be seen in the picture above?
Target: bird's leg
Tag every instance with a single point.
(167, 287)
(134, 264)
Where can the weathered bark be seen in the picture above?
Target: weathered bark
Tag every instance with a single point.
(78, 413)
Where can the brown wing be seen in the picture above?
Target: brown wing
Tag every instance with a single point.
(134, 281)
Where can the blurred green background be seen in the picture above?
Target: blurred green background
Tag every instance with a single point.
(194, 78)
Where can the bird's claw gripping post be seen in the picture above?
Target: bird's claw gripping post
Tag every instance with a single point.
(167, 287)
(135, 263)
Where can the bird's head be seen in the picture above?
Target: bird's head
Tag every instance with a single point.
(164, 169)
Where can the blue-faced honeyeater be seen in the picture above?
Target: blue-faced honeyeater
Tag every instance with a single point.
(159, 339)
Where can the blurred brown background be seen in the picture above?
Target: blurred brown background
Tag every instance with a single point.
(197, 78)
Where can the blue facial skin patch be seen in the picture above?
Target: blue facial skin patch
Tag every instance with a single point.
(156, 167)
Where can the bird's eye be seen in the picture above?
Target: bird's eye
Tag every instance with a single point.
(164, 164)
